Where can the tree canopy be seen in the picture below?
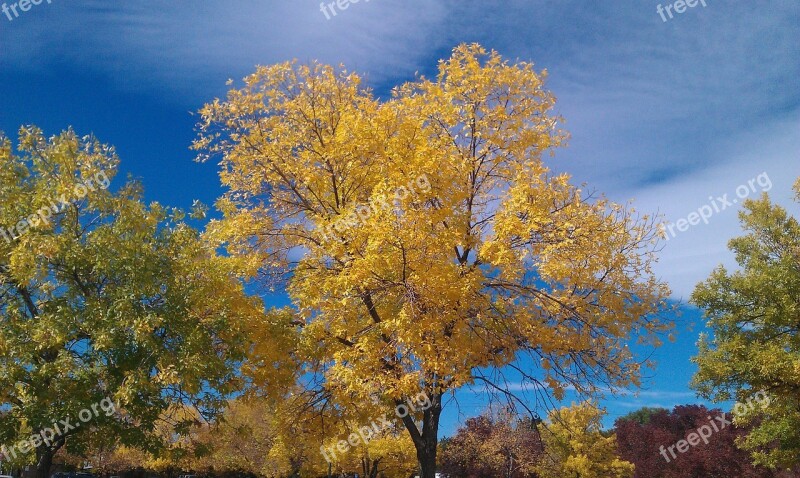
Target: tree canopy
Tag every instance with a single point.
(754, 320)
(575, 445)
(494, 444)
(423, 240)
(103, 297)
(645, 443)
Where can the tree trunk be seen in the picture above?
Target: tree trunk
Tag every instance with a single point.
(44, 461)
(427, 440)
(44, 457)
(370, 467)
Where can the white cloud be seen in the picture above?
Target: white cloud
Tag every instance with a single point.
(690, 256)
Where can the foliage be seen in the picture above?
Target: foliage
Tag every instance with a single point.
(423, 240)
(643, 415)
(754, 317)
(390, 454)
(243, 440)
(106, 298)
(576, 446)
(491, 446)
(251, 438)
(640, 443)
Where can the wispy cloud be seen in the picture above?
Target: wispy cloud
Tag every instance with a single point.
(657, 394)
(191, 49)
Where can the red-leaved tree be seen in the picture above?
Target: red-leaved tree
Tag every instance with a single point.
(642, 434)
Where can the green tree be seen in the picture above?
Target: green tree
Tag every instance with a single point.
(643, 415)
(754, 317)
(104, 299)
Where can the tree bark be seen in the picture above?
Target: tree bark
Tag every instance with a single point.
(426, 441)
(44, 457)
(370, 467)
(44, 461)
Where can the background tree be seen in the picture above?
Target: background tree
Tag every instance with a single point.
(422, 239)
(754, 318)
(258, 437)
(575, 446)
(389, 454)
(643, 415)
(641, 434)
(119, 459)
(493, 445)
(461, 455)
(104, 297)
(242, 440)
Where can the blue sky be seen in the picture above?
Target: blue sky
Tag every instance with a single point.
(670, 114)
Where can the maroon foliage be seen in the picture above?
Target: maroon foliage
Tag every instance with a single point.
(642, 435)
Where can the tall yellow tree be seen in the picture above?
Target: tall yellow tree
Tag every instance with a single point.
(423, 240)
(387, 453)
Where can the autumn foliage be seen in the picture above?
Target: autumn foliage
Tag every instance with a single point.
(499, 444)
(640, 439)
(494, 261)
(426, 243)
(753, 317)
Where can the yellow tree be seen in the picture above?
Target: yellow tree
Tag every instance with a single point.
(576, 447)
(241, 441)
(423, 240)
(256, 436)
(375, 451)
(389, 456)
(176, 454)
(118, 460)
